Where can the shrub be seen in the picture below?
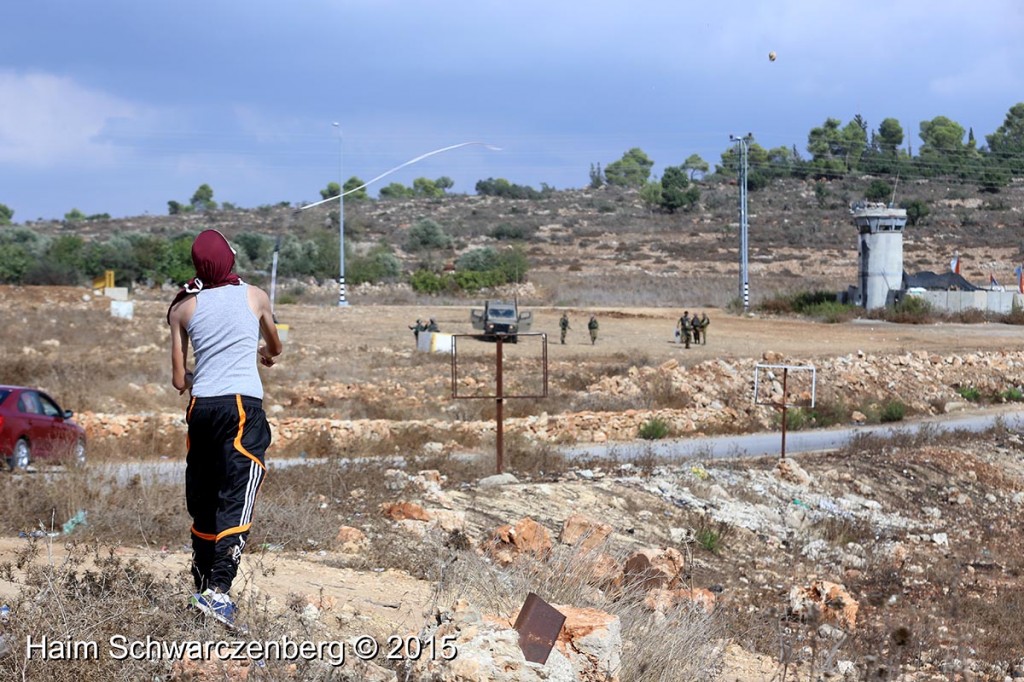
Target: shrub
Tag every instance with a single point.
(910, 310)
(1012, 395)
(15, 261)
(969, 393)
(878, 190)
(426, 235)
(427, 282)
(709, 539)
(892, 411)
(510, 232)
(917, 211)
(653, 429)
(474, 280)
(797, 419)
(380, 264)
(478, 259)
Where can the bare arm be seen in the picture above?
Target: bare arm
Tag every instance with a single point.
(272, 346)
(181, 378)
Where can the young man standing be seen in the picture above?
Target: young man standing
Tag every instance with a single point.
(222, 318)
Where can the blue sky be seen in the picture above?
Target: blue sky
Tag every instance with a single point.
(117, 106)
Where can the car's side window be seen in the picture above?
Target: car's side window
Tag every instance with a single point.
(50, 408)
(28, 403)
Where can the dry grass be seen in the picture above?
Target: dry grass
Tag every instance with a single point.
(681, 645)
(94, 595)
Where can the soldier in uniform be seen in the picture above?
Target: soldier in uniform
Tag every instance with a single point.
(695, 323)
(704, 322)
(432, 327)
(563, 324)
(592, 326)
(417, 328)
(686, 328)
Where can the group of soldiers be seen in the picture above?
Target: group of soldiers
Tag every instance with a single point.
(563, 326)
(692, 329)
(688, 329)
(422, 326)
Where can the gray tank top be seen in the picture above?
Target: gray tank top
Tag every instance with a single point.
(225, 334)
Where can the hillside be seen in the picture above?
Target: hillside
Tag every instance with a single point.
(604, 247)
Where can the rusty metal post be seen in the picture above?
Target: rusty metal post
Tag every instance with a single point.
(499, 403)
(785, 375)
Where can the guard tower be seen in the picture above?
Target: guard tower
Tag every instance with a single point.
(880, 252)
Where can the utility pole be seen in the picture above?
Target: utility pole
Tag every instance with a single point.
(744, 293)
(342, 298)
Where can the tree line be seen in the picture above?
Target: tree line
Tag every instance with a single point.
(833, 150)
(28, 257)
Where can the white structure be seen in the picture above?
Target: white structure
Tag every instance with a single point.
(434, 342)
(880, 251)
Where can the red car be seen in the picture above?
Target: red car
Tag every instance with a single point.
(33, 427)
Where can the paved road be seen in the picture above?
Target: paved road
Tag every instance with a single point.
(750, 445)
(761, 444)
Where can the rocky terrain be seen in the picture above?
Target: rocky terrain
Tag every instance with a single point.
(884, 560)
(889, 559)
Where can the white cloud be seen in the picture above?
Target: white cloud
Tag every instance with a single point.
(48, 120)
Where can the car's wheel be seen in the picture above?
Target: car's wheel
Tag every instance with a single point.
(21, 455)
(80, 452)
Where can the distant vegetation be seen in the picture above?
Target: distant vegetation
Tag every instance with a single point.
(435, 257)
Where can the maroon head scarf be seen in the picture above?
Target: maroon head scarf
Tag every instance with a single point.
(213, 259)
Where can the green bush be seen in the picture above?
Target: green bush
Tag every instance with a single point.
(797, 419)
(823, 305)
(653, 429)
(379, 265)
(474, 280)
(910, 310)
(1012, 395)
(892, 411)
(478, 259)
(510, 232)
(917, 211)
(831, 311)
(709, 539)
(878, 190)
(427, 235)
(15, 261)
(427, 282)
(969, 393)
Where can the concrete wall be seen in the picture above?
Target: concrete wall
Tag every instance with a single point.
(991, 301)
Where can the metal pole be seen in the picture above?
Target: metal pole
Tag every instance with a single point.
(342, 299)
(785, 375)
(273, 273)
(745, 274)
(499, 414)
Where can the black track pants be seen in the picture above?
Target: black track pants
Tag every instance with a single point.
(228, 438)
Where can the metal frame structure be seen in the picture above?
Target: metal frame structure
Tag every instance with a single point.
(499, 394)
(785, 388)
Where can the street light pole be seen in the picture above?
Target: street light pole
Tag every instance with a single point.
(342, 299)
(342, 302)
(744, 293)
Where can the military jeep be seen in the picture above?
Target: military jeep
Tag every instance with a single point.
(500, 318)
